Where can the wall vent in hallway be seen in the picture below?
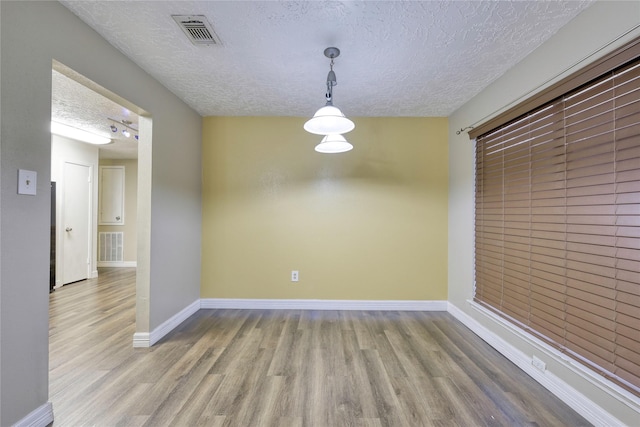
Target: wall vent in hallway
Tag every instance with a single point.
(111, 247)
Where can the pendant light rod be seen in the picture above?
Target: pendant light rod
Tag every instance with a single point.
(331, 53)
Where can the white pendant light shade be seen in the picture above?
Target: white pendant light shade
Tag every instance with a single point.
(333, 143)
(329, 120)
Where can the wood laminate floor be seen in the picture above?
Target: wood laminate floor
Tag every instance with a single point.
(280, 368)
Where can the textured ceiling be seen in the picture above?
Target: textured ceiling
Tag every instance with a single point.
(418, 58)
(76, 105)
(398, 58)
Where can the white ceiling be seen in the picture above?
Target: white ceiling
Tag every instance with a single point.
(418, 58)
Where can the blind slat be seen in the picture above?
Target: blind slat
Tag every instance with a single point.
(558, 223)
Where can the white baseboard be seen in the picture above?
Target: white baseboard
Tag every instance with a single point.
(147, 339)
(117, 264)
(312, 304)
(39, 417)
(141, 340)
(569, 395)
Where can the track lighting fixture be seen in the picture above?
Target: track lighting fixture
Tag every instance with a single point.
(127, 127)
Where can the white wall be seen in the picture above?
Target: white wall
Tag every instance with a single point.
(68, 150)
(130, 228)
(595, 32)
(172, 168)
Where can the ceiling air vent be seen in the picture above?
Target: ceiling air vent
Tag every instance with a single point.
(197, 29)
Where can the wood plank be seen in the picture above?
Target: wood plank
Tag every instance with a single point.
(279, 368)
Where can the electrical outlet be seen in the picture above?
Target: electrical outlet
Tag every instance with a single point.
(294, 275)
(538, 364)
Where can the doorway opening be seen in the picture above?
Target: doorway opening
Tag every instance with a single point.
(76, 252)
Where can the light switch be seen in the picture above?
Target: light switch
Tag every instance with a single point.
(27, 181)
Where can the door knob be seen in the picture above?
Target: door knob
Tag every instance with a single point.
(117, 218)
(68, 229)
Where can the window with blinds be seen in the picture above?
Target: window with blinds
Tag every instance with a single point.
(557, 224)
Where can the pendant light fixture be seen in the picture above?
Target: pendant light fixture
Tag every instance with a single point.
(329, 120)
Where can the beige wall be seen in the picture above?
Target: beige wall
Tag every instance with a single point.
(595, 32)
(369, 224)
(129, 228)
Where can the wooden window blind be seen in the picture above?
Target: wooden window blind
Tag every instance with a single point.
(557, 223)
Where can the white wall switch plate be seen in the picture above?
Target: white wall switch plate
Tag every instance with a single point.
(27, 181)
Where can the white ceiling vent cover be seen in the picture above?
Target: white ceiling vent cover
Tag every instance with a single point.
(197, 29)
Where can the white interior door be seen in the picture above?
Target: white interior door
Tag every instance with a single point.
(76, 214)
